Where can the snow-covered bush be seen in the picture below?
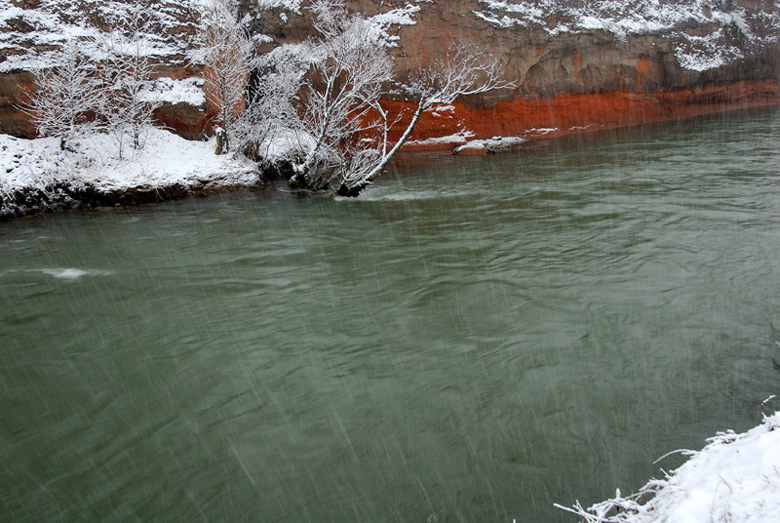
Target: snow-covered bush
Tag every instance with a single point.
(129, 100)
(465, 71)
(330, 90)
(67, 98)
(225, 51)
(320, 100)
(82, 95)
(269, 129)
(342, 86)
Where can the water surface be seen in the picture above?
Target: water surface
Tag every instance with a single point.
(471, 340)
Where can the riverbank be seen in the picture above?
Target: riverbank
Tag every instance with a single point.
(36, 176)
(735, 478)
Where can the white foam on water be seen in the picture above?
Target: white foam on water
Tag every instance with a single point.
(66, 274)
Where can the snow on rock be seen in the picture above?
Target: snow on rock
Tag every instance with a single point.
(293, 6)
(492, 145)
(460, 137)
(705, 31)
(167, 90)
(542, 131)
(166, 160)
(30, 36)
(381, 23)
(700, 53)
(735, 478)
(401, 16)
(285, 144)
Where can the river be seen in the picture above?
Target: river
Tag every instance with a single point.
(471, 340)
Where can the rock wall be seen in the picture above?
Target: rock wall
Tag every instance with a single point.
(578, 65)
(33, 31)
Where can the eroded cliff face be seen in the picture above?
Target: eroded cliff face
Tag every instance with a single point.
(577, 65)
(33, 31)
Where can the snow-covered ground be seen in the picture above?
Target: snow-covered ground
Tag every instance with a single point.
(735, 479)
(166, 160)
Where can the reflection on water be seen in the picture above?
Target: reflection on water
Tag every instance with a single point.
(471, 340)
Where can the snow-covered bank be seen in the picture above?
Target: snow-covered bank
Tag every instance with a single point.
(35, 175)
(735, 478)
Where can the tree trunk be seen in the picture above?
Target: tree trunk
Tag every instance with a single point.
(353, 190)
(222, 145)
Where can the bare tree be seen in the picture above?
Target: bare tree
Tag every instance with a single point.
(341, 88)
(270, 128)
(127, 78)
(67, 98)
(226, 53)
(343, 76)
(464, 71)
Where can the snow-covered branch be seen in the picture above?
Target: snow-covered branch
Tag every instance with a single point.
(226, 52)
(323, 98)
(67, 97)
(465, 71)
(127, 72)
(734, 478)
(348, 75)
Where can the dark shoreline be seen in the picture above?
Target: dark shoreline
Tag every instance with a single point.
(61, 198)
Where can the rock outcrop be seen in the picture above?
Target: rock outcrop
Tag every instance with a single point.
(578, 65)
(33, 31)
(581, 65)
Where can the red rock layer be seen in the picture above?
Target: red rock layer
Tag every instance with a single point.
(575, 113)
(526, 117)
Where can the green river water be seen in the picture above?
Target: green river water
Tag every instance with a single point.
(471, 340)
